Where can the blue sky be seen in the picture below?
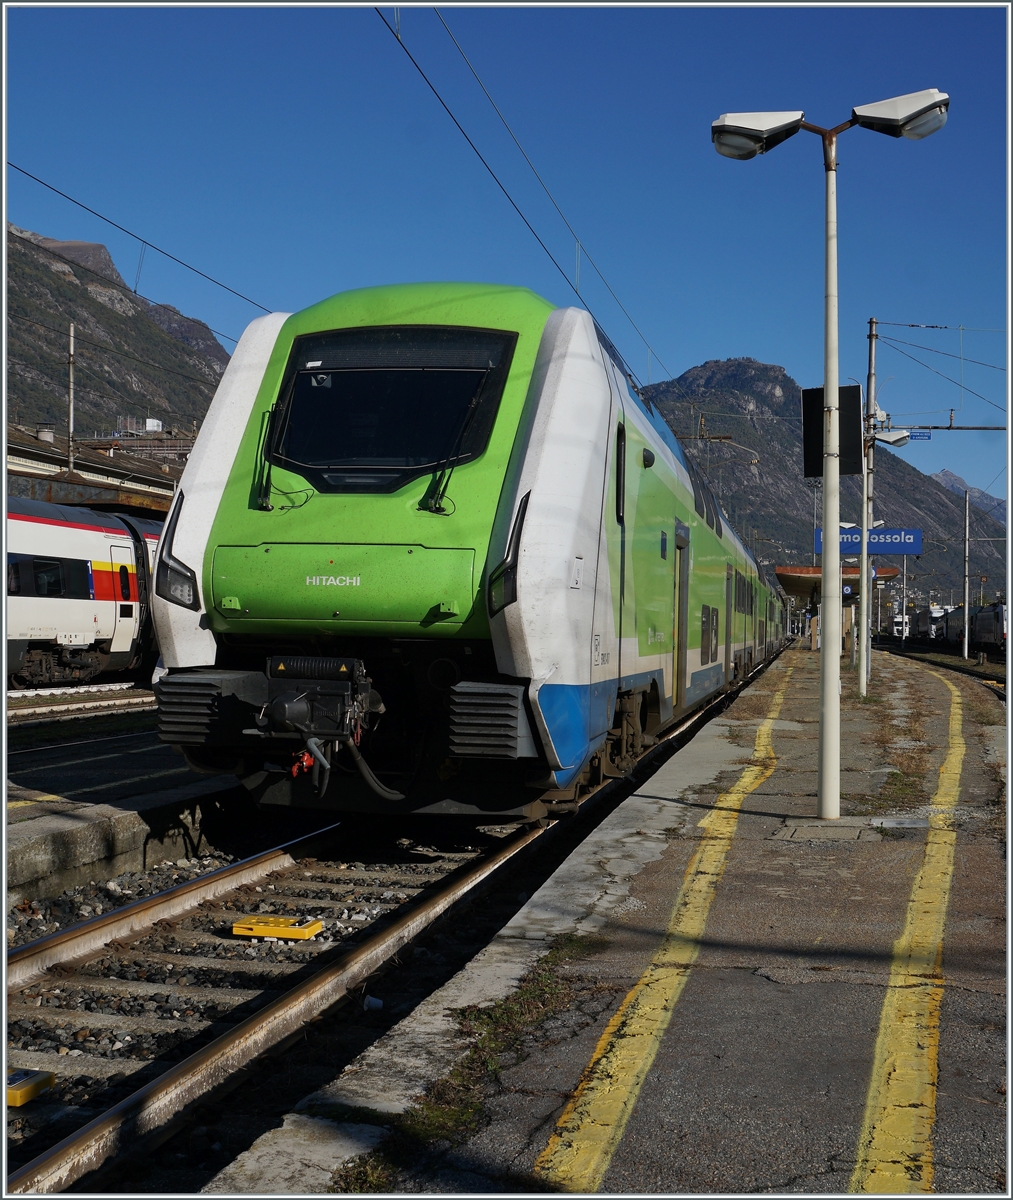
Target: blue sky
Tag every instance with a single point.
(295, 152)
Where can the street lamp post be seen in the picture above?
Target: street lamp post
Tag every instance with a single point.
(868, 477)
(967, 585)
(744, 136)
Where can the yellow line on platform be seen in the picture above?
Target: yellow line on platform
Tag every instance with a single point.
(41, 798)
(592, 1124)
(895, 1146)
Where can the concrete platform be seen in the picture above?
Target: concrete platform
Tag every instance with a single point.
(759, 1064)
(54, 843)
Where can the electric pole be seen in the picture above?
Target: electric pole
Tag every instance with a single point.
(865, 647)
(903, 607)
(967, 582)
(70, 403)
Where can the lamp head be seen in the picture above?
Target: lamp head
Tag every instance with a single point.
(894, 437)
(744, 135)
(913, 116)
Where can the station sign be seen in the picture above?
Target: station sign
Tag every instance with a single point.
(881, 541)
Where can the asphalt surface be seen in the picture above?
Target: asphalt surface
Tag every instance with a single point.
(90, 768)
(767, 1076)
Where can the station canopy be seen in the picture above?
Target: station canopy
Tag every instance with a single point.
(803, 583)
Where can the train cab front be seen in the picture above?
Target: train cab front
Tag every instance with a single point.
(321, 585)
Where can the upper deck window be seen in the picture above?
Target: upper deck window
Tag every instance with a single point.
(368, 410)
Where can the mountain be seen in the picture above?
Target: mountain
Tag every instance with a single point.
(132, 357)
(758, 476)
(987, 503)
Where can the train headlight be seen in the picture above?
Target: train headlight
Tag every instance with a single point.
(174, 580)
(502, 587)
(503, 580)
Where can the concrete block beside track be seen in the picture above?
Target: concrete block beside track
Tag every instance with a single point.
(68, 844)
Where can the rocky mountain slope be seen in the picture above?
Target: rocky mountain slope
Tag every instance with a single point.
(132, 357)
(758, 475)
(992, 505)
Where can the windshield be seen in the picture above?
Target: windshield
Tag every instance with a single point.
(368, 410)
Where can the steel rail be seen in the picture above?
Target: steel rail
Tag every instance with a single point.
(981, 676)
(84, 689)
(28, 962)
(154, 1107)
(81, 706)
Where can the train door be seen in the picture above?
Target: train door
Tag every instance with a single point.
(729, 610)
(143, 582)
(620, 515)
(680, 612)
(124, 600)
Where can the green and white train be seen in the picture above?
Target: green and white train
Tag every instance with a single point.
(432, 552)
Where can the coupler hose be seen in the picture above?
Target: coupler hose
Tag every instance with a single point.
(321, 763)
(366, 773)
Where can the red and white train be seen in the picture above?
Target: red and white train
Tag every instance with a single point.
(78, 588)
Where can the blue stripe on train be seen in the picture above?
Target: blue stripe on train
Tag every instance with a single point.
(702, 683)
(578, 716)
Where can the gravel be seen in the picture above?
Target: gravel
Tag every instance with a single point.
(33, 919)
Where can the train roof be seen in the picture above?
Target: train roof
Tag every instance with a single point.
(80, 518)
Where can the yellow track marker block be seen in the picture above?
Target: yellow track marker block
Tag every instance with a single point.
(895, 1146)
(278, 927)
(592, 1124)
(23, 1086)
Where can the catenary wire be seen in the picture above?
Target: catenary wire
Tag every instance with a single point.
(965, 328)
(478, 153)
(125, 400)
(110, 350)
(122, 286)
(889, 342)
(137, 237)
(552, 198)
(496, 179)
(998, 502)
(932, 350)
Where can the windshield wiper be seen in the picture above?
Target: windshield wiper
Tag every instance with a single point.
(435, 494)
(264, 483)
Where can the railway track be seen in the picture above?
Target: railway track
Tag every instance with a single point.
(994, 682)
(83, 690)
(919, 652)
(159, 1005)
(64, 704)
